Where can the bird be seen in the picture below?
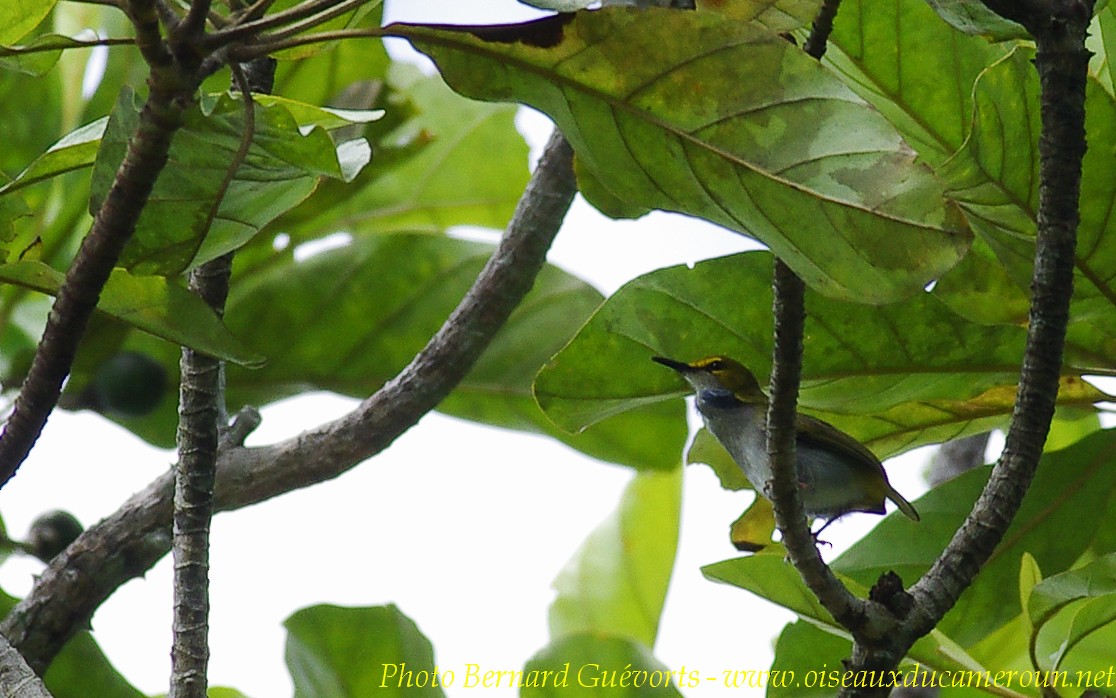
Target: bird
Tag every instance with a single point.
(837, 474)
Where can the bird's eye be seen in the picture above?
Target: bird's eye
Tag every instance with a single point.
(716, 365)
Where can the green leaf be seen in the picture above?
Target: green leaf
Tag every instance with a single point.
(1094, 583)
(82, 670)
(616, 583)
(995, 180)
(597, 665)
(330, 77)
(973, 17)
(152, 304)
(707, 449)
(1066, 507)
(453, 162)
(1102, 42)
(895, 377)
(795, 159)
(775, 15)
(802, 648)
(19, 17)
(74, 151)
(335, 652)
(190, 204)
(913, 67)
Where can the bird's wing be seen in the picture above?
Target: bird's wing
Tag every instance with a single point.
(814, 431)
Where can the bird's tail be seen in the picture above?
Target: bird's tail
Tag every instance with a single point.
(904, 506)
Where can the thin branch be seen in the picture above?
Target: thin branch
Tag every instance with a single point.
(77, 298)
(254, 27)
(75, 43)
(128, 542)
(788, 309)
(201, 419)
(264, 47)
(254, 11)
(1062, 64)
(311, 22)
(818, 40)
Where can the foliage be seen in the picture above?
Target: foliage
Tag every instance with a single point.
(898, 177)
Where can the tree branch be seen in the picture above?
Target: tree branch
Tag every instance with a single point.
(17, 680)
(1062, 64)
(137, 535)
(201, 419)
(789, 311)
(821, 29)
(77, 298)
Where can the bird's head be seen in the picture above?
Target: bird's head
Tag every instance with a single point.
(718, 372)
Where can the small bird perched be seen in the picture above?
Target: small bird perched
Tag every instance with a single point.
(836, 473)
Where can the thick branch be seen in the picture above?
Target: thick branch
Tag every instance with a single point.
(131, 540)
(16, 678)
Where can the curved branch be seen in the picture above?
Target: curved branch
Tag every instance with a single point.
(127, 543)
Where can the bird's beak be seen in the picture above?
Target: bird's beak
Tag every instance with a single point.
(679, 366)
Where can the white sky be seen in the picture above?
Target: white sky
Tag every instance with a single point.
(463, 527)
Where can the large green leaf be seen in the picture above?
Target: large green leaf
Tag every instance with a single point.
(895, 377)
(335, 652)
(1102, 42)
(913, 67)
(593, 664)
(19, 17)
(74, 151)
(150, 303)
(191, 203)
(450, 162)
(616, 583)
(995, 179)
(347, 320)
(794, 158)
(973, 17)
(82, 670)
(1093, 584)
(1069, 499)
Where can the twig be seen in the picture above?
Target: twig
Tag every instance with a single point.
(254, 27)
(128, 542)
(263, 46)
(311, 22)
(76, 43)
